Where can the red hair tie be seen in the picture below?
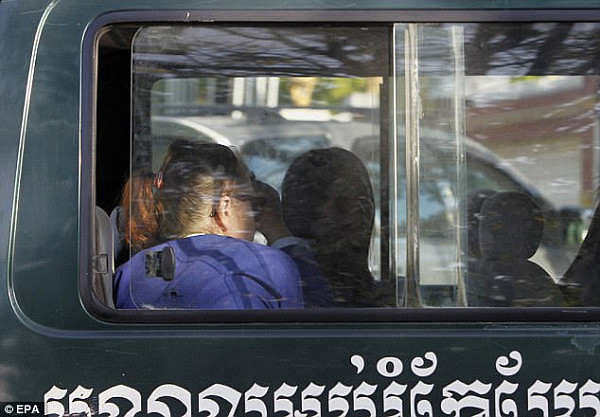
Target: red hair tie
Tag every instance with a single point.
(158, 180)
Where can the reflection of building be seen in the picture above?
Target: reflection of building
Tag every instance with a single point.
(550, 134)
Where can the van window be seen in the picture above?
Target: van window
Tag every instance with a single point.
(383, 166)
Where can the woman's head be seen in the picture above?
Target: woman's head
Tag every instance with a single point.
(203, 188)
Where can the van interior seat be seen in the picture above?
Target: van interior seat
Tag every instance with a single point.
(510, 226)
(581, 281)
(102, 278)
(116, 220)
(473, 204)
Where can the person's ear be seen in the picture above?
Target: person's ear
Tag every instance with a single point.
(222, 213)
(225, 206)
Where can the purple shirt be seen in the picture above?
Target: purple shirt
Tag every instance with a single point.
(211, 272)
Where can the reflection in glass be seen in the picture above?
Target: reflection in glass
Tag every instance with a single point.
(471, 110)
(275, 95)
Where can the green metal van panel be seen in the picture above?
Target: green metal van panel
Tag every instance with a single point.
(18, 23)
(17, 32)
(53, 350)
(423, 371)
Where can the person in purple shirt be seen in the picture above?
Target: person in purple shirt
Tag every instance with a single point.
(203, 208)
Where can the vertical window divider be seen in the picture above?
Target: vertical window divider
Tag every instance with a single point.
(413, 114)
(392, 201)
(457, 36)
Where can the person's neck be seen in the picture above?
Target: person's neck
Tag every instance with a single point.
(194, 234)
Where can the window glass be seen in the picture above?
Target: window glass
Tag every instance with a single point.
(517, 104)
(292, 106)
(406, 165)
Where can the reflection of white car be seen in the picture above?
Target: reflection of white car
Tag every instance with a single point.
(268, 148)
(439, 253)
(190, 128)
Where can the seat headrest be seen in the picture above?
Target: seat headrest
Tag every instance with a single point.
(473, 204)
(510, 226)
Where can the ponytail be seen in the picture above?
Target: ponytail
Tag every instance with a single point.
(140, 212)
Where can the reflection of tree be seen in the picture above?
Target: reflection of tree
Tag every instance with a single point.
(549, 48)
(255, 51)
(490, 48)
(486, 42)
(532, 49)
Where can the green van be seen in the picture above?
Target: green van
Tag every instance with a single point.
(421, 176)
